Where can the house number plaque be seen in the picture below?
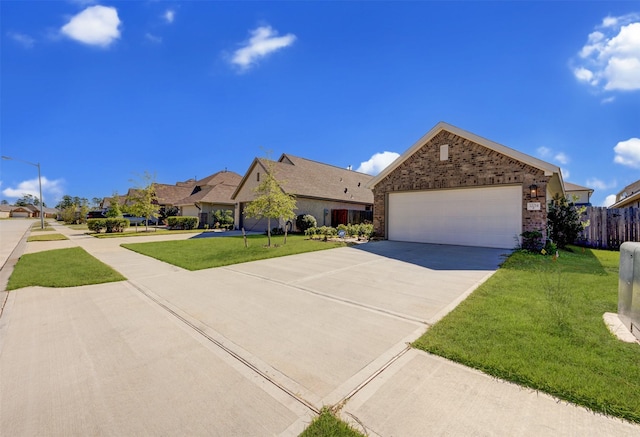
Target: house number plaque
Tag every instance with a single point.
(533, 206)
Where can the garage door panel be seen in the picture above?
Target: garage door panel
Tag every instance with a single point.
(488, 217)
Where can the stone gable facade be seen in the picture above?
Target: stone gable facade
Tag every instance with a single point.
(468, 165)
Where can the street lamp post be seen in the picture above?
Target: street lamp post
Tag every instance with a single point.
(39, 184)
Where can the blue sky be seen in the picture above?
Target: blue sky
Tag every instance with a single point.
(99, 93)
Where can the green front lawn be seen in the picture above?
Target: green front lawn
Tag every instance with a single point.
(61, 268)
(47, 237)
(204, 253)
(538, 322)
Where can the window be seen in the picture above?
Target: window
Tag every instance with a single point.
(258, 176)
(444, 152)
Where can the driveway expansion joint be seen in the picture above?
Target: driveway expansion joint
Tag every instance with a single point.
(221, 346)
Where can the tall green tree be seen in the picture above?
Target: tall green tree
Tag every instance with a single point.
(29, 199)
(272, 202)
(142, 202)
(563, 219)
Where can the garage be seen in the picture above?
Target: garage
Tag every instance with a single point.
(485, 217)
(455, 187)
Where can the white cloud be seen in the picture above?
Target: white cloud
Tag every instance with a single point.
(263, 41)
(96, 25)
(50, 189)
(377, 163)
(25, 40)
(628, 153)
(598, 184)
(562, 158)
(153, 38)
(169, 15)
(566, 174)
(610, 60)
(547, 153)
(543, 151)
(609, 200)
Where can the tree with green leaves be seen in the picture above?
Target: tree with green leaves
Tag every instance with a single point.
(271, 203)
(114, 210)
(142, 202)
(563, 219)
(29, 199)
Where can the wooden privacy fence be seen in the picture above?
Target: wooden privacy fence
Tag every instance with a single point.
(609, 228)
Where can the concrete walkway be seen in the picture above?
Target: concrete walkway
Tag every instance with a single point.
(258, 348)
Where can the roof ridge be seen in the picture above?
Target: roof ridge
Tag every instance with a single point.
(325, 164)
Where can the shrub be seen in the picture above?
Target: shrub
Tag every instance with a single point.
(182, 222)
(223, 218)
(531, 241)
(276, 231)
(96, 225)
(305, 221)
(115, 224)
(365, 230)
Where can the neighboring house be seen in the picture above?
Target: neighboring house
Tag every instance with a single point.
(209, 195)
(580, 196)
(5, 211)
(454, 187)
(15, 211)
(629, 196)
(333, 195)
(167, 195)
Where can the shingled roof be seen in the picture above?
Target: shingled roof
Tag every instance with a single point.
(217, 188)
(305, 178)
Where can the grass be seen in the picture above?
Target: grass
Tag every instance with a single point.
(538, 322)
(61, 268)
(36, 227)
(47, 237)
(204, 253)
(328, 425)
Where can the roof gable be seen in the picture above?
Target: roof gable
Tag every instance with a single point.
(217, 188)
(549, 169)
(306, 178)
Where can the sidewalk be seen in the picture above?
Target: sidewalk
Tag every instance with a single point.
(249, 350)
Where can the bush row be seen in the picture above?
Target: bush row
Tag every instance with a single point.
(111, 224)
(182, 222)
(362, 231)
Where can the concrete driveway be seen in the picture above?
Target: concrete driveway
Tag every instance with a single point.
(250, 349)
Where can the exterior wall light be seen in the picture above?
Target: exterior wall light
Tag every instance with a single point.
(533, 190)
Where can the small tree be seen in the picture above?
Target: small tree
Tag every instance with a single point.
(271, 202)
(564, 223)
(114, 210)
(143, 201)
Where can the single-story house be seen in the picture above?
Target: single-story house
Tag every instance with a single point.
(26, 211)
(579, 195)
(5, 210)
(209, 195)
(167, 195)
(455, 187)
(332, 195)
(628, 197)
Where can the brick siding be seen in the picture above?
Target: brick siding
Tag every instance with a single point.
(469, 165)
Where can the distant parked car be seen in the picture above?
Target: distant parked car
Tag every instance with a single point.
(133, 220)
(95, 214)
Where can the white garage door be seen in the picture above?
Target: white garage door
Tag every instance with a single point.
(486, 217)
